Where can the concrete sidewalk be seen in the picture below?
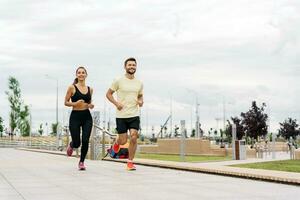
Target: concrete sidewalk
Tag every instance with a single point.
(219, 168)
(28, 175)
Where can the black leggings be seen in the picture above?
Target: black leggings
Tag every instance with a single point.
(81, 119)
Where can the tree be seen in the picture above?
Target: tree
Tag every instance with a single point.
(222, 138)
(210, 132)
(215, 133)
(289, 128)
(255, 121)
(165, 131)
(239, 128)
(18, 117)
(54, 129)
(1, 126)
(14, 98)
(193, 133)
(24, 122)
(176, 131)
(41, 130)
(201, 132)
(153, 139)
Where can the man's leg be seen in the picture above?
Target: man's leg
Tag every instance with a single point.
(122, 134)
(122, 139)
(134, 125)
(132, 148)
(132, 144)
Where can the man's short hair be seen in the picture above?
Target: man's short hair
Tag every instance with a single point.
(129, 59)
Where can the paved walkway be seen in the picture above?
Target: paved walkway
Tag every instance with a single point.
(220, 168)
(36, 176)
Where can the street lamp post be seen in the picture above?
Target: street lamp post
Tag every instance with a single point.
(30, 130)
(147, 120)
(217, 120)
(192, 121)
(197, 118)
(197, 113)
(53, 78)
(56, 79)
(56, 101)
(47, 129)
(171, 114)
(224, 116)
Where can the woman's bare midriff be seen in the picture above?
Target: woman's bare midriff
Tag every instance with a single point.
(81, 106)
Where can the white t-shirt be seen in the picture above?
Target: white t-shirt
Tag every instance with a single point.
(127, 91)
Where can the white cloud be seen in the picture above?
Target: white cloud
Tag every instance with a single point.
(243, 50)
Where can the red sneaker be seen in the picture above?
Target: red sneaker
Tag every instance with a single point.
(130, 166)
(69, 150)
(81, 166)
(116, 147)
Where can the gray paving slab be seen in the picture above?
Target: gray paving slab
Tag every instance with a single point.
(30, 176)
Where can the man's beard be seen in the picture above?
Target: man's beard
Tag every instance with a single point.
(131, 72)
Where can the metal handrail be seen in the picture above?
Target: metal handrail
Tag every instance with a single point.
(104, 132)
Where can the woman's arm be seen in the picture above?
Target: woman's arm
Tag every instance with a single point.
(68, 97)
(91, 105)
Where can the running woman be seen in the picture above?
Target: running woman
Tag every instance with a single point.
(129, 98)
(80, 118)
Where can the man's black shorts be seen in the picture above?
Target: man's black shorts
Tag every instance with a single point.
(125, 124)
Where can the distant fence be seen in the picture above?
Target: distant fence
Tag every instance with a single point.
(100, 140)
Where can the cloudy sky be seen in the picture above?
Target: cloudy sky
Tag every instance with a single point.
(227, 52)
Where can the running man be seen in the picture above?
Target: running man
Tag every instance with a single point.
(129, 98)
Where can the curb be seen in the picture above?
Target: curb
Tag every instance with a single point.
(272, 179)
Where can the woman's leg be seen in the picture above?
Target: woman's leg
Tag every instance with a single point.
(74, 126)
(86, 133)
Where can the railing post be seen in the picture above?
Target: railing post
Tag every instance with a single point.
(77, 153)
(292, 152)
(92, 157)
(67, 135)
(97, 139)
(103, 143)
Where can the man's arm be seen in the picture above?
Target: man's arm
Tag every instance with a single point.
(140, 100)
(110, 97)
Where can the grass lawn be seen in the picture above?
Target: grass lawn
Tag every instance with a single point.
(178, 159)
(286, 165)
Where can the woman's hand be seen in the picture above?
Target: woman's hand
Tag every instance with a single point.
(77, 103)
(91, 106)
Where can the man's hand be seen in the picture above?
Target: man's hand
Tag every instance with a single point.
(119, 106)
(140, 102)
